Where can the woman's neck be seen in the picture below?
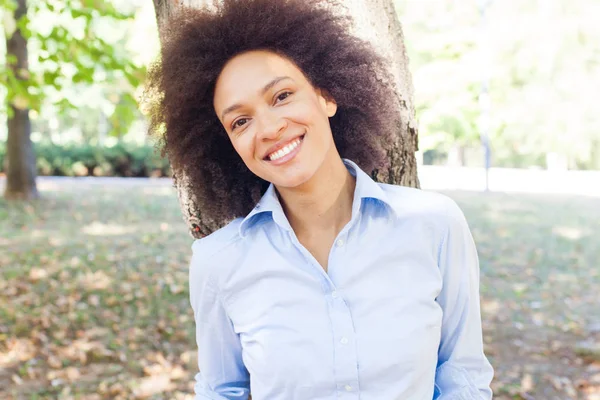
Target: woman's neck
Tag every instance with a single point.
(323, 205)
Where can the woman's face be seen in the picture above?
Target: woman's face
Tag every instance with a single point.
(277, 121)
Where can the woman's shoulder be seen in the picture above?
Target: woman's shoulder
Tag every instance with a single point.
(215, 251)
(437, 211)
(218, 240)
(408, 201)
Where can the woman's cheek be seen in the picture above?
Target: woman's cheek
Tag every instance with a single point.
(244, 147)
(299, 112)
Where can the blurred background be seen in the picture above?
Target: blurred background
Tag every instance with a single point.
(93, 277)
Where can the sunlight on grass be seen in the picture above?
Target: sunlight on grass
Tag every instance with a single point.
(99, 229)
(570, 232)
(17, 351)
(96, 281)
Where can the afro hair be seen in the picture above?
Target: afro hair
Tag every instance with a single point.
(316, 36)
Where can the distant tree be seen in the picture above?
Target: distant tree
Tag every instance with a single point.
(21, 174)
(543, 66)
(66, 57)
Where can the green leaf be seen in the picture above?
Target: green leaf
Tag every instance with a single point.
(50, 77)
(78, 77)
(23, 26)
(9, 5)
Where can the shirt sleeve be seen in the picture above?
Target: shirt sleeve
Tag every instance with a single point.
(463, 371)
(222, 375)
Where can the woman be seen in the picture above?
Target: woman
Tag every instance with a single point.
(326, 285)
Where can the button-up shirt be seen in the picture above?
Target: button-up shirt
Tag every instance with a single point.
(396, 315)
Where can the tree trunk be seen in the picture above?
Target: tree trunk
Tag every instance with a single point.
(377, 22)
(21, 169)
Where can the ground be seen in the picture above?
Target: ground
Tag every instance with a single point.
(94, 301)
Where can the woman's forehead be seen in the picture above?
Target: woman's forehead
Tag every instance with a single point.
(257, 62)
(248, 73)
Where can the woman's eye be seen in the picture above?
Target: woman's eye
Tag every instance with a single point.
(239, 123)
(283, 96)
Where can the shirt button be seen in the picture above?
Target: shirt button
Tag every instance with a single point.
(348, 388)
(334, 294)
(257, 206)
(344, 340)
(340, 243)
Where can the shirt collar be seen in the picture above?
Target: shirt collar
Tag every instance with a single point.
(366, 188)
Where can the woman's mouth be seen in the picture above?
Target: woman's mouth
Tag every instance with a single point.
(286, 153)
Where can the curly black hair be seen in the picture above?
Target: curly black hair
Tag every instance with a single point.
(313, 34)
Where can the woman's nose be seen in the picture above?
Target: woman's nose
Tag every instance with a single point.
(270, 125)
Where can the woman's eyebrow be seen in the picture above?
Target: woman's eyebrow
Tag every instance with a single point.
(264, 90)
(273, 83)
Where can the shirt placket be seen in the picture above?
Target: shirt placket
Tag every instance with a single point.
(344, 347)
(345, 357)
(344, 335)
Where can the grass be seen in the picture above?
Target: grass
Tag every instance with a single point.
(94, 298)
(540, 269)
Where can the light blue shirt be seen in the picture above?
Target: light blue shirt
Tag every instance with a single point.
(396, 316)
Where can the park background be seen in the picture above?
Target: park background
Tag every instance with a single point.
(93, 279)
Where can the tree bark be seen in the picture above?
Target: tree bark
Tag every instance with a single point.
(377, 22)
(21, 169)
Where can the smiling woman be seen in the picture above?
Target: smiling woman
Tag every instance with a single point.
(326, 284)
(310, 35)
(279, 123)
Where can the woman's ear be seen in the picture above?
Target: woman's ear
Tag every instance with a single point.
(327, 102)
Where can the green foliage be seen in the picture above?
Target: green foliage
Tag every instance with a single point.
(124, 115)
(123, 159)
(541, 61)
(9, 5)
(68, 50)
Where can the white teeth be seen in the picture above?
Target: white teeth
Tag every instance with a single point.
(286, 150)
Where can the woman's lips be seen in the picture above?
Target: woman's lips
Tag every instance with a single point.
(287, 153)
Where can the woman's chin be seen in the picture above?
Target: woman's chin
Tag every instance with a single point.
(292, 179)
